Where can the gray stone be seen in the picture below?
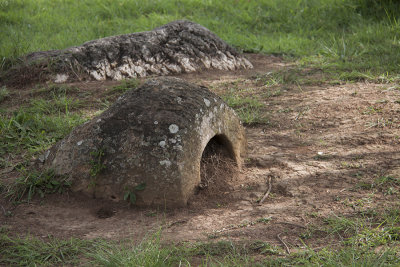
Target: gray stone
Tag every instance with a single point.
(177, 47)
(154, 134)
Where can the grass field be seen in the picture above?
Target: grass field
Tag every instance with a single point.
(340, 35)
(348, 40)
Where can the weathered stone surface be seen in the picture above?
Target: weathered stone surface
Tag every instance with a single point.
(154, 134)
(177, 47)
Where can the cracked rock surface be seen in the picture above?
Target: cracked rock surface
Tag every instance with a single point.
(178, 47)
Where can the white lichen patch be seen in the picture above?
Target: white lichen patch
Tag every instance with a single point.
(178, 147)
(155, 122)
(167, 163)
(173, 128)
(205, 132)
(79, 143)
(207, 102)
(162, 144)
(61, 78)
(179, 100)
(172, 140)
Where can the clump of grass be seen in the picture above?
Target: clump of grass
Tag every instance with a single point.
(35, 127)
(33, 183)
(125, 86)
(33, 131)
(341, 225)
(149, 252)
(386, 184)
(348, 256)
(249, 109)
(55, 90)
(374, 237)
(30, 251)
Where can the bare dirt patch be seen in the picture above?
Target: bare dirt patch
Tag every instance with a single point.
(322, 144)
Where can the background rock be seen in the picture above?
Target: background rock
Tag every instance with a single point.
(177, 47)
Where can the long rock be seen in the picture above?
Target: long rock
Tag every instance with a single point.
(178, 47)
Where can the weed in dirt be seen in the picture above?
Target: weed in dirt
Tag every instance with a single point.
(264, 220)
(125, 86)
(33, 183)
(249, 109)
(349, 256)
(130, 194)
(215, 248)
(389, 185)
(55, 90)
(59, 104)
(264, 248)
(372, 229)
(341, 225)
(374, 237)
(4, 93)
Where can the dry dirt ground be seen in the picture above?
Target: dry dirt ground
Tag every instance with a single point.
(322, 142)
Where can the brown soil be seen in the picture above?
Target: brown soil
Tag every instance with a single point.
(322, 141)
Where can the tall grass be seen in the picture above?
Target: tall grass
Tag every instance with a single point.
(342, 33)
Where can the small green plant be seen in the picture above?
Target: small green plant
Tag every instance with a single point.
(264, 248)
(265, 220)
(215, 248)
(340, 225)
(125, 85)
(130, 195)
(386, 184)
(96, 163)
(248, 109)
(4, 93)
(383, 234)
(36, 183)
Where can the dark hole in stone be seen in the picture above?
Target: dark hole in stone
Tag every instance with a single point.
(113, 197)
(218, 168)
(104, 213)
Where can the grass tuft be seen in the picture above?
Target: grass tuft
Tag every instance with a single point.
(249, 109)
(36, 183)
(30, 251)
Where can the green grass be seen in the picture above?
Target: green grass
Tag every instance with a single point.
(249, 109)
(125, 86)
(30, 251)
(34, 127)
(4, 93)
(345, 35)
(26, 130)
(33, 183)
(329, 40)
